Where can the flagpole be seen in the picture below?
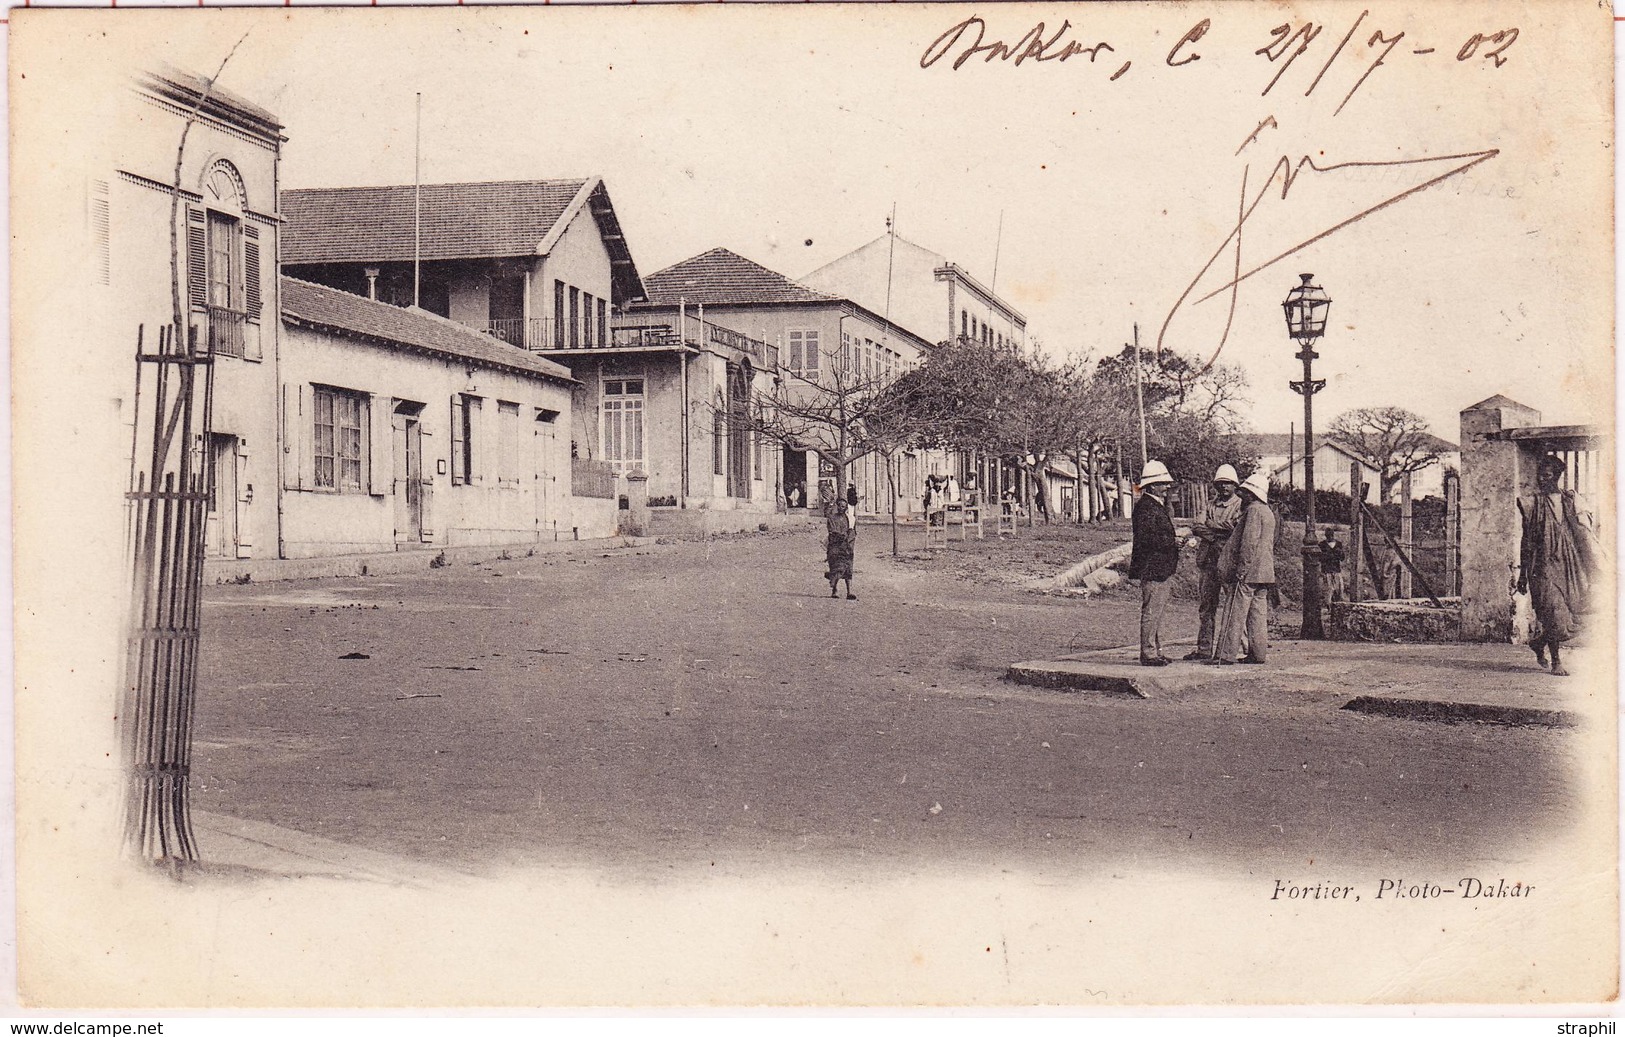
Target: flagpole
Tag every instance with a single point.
(417, 203)
(1139, 397)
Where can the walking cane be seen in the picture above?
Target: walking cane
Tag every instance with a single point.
(1231, 593)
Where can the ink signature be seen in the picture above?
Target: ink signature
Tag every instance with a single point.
(1289, 172)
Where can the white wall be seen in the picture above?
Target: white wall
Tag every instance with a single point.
(488, 510)
(139, 290)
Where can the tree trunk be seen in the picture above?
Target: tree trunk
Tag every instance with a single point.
(891, 485)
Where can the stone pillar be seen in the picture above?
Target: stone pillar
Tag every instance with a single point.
(637, 503)
(1492, 480)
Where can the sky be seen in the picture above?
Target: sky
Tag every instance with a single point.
(788, 134)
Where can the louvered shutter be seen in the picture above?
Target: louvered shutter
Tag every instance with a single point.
(101, 231)
(251, 271)
(459, 472)
(197, 257)
(296, 434)
(379, 421)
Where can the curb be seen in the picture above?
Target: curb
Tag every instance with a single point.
(272, 570)
(257, 846)
(1461, 712)
(1063, 676)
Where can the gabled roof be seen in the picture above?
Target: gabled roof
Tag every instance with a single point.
(329, 309)
(724, 278)
(942, 268)
(1281, 444)
(493, 220)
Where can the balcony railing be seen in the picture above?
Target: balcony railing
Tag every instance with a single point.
(531, 333)
(643, 335)
(225, 329)
(695, 333)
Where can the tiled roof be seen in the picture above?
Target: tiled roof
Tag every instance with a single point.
(720, 278)
(329, 309)
(459, 221)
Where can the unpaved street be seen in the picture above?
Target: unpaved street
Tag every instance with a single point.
(693, 703)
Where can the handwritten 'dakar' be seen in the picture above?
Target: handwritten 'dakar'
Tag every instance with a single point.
(969, 40)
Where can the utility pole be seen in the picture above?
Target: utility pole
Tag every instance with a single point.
(1139, 398)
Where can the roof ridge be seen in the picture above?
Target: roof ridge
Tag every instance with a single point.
(450, 183)
(723, 250)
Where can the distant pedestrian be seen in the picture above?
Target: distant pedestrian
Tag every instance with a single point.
(1223, 511)
(1557, 561)
(842, 533)
(1155, 557)
(1332, 558)
(852, 498)
(1247, 567)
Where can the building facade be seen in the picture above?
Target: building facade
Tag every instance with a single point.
(219, 279)
(938, 300)
(401, 428)
(536, 263)
(820, 341)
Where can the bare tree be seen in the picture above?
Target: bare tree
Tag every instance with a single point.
(839, 410)
(1395, 441)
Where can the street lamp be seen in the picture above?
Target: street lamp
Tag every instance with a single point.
(1306, 306)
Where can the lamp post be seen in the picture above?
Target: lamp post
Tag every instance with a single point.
(1306, 307)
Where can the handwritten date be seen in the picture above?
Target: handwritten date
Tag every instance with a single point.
(971, 39)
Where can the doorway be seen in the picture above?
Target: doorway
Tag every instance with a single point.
(409, 484)
(220, 534)
(795, 477)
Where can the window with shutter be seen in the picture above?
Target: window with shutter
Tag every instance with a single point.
(197, 257)
(459, 442)
(251, 271)
(339, 440)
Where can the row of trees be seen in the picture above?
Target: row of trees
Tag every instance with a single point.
(1023, 408)
(1026, 409)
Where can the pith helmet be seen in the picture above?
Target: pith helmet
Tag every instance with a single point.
(1227, 474)
(1155, 472)
(1258, 485)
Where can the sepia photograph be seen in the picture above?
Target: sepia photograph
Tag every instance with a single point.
(847, 505)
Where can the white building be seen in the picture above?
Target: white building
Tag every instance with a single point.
(402, 428)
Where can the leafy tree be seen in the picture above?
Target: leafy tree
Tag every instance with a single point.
(1192, 409)
(1395, 441)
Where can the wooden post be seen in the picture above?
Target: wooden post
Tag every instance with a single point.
(1356, 546)
(1452, 534)
(1407, 538)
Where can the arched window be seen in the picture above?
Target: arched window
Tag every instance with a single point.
(223, 272)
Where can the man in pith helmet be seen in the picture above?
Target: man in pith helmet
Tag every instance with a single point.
(1247, 567)
(1223, 511)
(1154, 559)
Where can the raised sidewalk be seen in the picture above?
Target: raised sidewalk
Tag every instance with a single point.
(1454, 682)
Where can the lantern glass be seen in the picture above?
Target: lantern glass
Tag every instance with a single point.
(1307, 307)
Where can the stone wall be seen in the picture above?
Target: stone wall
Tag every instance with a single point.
(1411, 621)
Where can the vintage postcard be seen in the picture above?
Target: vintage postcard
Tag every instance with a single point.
(1095, 505)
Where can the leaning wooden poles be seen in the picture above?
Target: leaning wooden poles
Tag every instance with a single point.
(168, 505)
